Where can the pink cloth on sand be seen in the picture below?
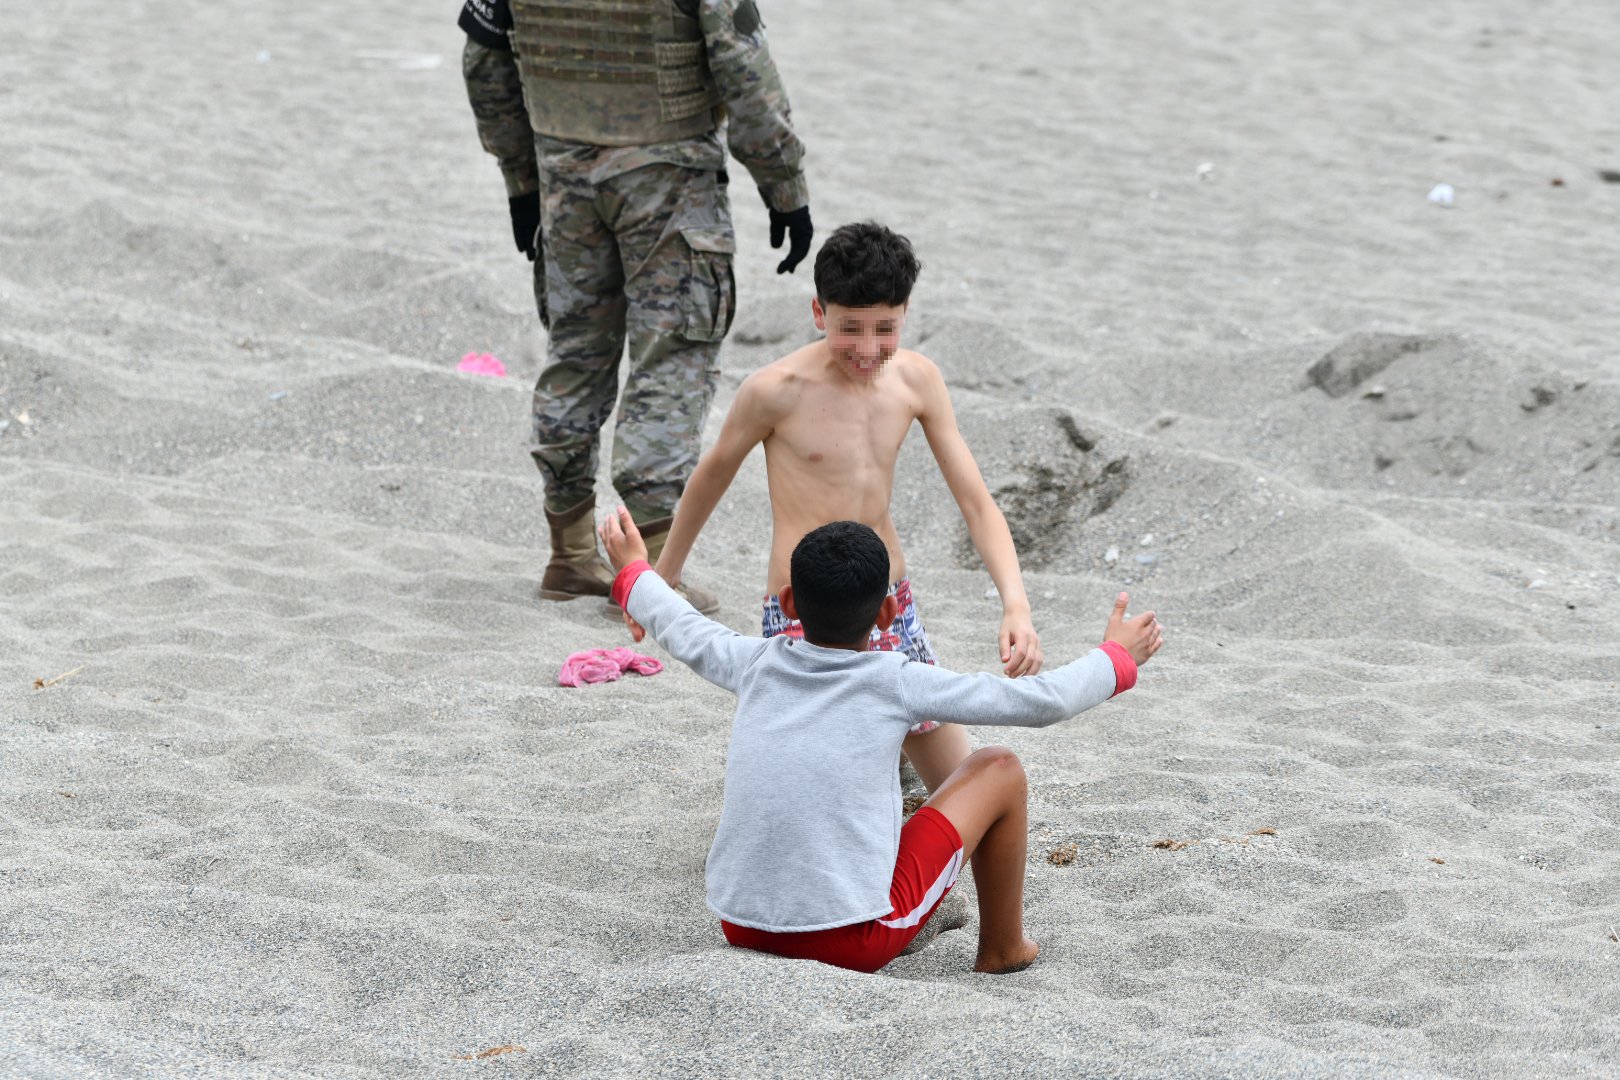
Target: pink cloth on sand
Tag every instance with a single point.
(604, 665)
(482, 364)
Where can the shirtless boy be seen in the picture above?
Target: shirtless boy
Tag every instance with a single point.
(832, 417)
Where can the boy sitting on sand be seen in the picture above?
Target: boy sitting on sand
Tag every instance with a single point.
(832, 416)
(810, 859)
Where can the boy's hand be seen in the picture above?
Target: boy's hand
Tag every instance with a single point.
(1020, 645)
(637, 632)
(622, 540)
(1141, 636)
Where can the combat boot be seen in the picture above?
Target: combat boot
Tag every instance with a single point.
(654, 533)
(575, 569)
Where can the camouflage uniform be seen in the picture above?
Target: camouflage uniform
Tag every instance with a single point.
(635, 220)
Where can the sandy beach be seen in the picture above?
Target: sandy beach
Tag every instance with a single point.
(287, 786)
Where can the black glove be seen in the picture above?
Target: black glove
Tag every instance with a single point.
(526, 223)
(795, 224)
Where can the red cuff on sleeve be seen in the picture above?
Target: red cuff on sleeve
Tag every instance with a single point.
(627, 581)
(1124, 665)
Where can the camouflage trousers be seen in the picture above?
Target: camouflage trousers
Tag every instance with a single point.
(644, 257)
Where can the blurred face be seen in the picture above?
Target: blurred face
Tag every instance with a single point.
(862, 339)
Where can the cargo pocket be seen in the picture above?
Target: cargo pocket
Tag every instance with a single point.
(711, 293)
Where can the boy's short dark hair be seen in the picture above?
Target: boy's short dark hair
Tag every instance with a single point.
(865, 264)
(840, 575)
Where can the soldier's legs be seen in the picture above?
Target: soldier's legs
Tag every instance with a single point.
(584, 293)
(673, 227)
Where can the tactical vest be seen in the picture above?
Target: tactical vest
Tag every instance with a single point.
(613, 72)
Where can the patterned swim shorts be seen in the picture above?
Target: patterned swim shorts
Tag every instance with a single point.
(904, 635)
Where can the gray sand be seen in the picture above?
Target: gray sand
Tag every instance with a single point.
(314, 805)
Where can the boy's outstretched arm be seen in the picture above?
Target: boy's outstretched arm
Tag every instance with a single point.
(748, 423)
(1020, 644)
(715, 652)
(933, 693)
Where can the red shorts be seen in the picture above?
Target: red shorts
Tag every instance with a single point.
(929, 861)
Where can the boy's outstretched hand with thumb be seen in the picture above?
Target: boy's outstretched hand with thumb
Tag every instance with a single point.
(623, 543)
(1141, 636)
(621, 539)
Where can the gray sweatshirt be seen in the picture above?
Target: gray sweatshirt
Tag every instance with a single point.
(810, 824)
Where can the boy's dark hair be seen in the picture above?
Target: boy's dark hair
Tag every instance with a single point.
(840, 575)
(865, 264)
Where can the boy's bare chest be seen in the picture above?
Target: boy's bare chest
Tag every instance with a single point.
(833, 434)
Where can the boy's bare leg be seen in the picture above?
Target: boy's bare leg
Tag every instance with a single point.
(936, 754)
(987, 799)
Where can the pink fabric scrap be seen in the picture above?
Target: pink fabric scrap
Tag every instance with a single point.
(482, 364)
(605, 665)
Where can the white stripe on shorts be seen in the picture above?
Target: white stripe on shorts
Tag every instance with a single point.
(947, 878)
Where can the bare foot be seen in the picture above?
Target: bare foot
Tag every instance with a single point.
(1012, 960)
